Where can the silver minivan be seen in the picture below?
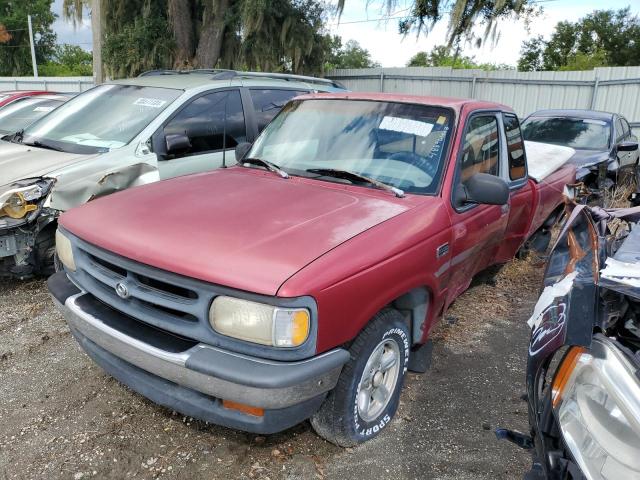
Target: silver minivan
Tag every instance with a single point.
(126, 133)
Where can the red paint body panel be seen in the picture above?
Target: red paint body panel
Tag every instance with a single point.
(237, 227)
(16, 94)
(352, 248)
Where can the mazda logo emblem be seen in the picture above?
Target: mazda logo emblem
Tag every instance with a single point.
(122, 291)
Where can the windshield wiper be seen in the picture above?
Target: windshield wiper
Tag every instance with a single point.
(272, 167)
(39, 144)
(17, 136)
(356, 177)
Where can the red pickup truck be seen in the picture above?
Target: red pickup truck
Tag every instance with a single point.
(303, 282)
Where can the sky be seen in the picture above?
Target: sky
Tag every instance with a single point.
(67, 33)
(390, 49)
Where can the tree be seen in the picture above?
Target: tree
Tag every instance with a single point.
(441, 56)
(68, 60)
(602, 38)
(280, 35)
(15, 58)
(531, 55)
(351, 55)
(464, 15)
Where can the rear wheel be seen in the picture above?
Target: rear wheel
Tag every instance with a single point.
(368, 391)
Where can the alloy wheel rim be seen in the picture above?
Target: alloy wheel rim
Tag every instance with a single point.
(378, 380)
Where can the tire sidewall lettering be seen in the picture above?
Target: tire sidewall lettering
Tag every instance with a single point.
(367, 429)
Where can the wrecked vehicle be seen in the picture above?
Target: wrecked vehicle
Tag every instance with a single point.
(604, 143)
(583, 383)
(26, 110)
(122, 134)
(305, 281)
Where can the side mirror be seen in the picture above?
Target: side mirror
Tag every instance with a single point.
(484, 189)
(177, 143)
(627, 147)
(241, 150)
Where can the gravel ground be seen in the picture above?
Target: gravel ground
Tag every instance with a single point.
(62, 417)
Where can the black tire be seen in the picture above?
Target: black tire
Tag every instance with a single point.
(339, 419)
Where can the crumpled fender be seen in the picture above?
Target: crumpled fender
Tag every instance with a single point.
(71, 192)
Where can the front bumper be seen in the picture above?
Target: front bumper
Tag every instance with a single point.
(191, 377)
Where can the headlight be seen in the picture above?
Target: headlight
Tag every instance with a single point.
(259, 323)
(597, 402)
(20, 199)
(64, 251)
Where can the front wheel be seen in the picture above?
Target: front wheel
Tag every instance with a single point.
(367, 394)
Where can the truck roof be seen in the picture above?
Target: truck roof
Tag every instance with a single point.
(448, 102)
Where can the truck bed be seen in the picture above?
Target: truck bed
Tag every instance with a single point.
(543, 159)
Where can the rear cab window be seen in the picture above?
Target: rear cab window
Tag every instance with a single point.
(515, 148)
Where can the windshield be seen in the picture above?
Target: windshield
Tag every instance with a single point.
(23, 113)
(398, 144)
(578, 133)
(105, 117)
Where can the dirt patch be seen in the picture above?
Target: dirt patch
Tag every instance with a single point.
(62, 417)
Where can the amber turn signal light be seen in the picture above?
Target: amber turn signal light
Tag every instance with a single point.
(241, 407)
(563, 374)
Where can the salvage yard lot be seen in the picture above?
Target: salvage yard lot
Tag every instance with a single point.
(62, 417)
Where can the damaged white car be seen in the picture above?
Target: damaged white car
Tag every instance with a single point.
(126, 133)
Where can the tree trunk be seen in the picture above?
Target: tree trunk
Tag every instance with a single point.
(211, 33)
(180, 16)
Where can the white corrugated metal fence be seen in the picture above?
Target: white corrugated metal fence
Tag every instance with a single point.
(612, 89)
(53, 84)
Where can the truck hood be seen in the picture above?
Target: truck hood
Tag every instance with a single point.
(243, 229)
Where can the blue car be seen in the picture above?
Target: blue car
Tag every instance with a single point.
(603, 141)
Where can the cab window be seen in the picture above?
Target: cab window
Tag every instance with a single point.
(515, 147)
(212, 122)
(268, 102)
(480, 150)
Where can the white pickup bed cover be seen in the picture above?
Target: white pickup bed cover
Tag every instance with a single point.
(543, 158)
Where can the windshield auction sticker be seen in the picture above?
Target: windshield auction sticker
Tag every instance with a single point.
(150, 102)
(404, 125)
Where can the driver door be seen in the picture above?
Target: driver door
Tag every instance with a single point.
(478, 230)
(214, 124)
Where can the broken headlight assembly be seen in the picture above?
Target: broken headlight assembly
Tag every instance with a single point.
(64, 251)
(596, 399)
(21, 198)
(259, 323)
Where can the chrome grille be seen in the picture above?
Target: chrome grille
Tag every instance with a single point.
(167, 301)
(171, 302)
